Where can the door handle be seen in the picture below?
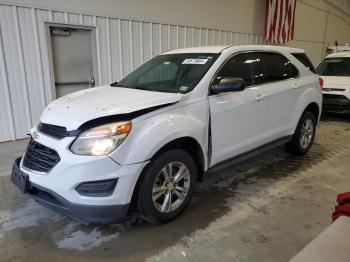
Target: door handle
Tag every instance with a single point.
(259, 97)
(295, 85)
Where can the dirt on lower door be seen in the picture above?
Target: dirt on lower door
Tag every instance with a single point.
(264, 209)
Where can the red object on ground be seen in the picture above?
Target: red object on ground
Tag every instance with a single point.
(343, 207)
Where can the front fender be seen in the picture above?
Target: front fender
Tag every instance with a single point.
(151, 134)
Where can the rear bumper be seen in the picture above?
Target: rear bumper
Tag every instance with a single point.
(336, 104)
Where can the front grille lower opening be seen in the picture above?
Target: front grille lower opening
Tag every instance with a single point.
(39, 157)
(45, 196)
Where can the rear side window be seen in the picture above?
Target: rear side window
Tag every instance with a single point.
(276, 68)
(303, 58)
(245, 66)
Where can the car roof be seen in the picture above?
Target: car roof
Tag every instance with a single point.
(339, 54)
(237, 48)
(202, 49)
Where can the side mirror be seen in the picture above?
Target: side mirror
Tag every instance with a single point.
(228, 84)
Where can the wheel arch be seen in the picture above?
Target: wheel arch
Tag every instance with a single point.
(310, 100)
(190, 145)
(186, 143)
(314, 109)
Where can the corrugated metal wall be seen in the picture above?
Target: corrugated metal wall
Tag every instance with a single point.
(122, 45)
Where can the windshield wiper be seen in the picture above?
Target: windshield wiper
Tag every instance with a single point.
(134, 87)
(141, 88)
(116, 84)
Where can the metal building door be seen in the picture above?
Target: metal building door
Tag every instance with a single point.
(72, 59)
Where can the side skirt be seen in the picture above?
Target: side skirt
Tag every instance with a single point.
(249, 154)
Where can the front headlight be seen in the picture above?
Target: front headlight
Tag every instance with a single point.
(101, 140)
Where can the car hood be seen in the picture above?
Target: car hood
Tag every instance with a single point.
(73, 110)
(336, 82)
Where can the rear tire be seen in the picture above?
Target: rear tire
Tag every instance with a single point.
(304, 135)
(167, 186)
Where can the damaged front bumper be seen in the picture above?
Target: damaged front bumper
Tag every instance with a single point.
(48, 198)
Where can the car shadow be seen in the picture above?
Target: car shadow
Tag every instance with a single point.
(25, 224)
(335, 117)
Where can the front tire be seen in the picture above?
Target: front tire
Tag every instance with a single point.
(167, 186)
(304, 135)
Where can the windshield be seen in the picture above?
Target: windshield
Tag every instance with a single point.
(175, 73)
(337, 66)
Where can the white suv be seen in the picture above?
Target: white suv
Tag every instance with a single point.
(335, 72)
(146, 141)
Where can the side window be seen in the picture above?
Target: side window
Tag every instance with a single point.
(245, 66)
(293, 71)
(276, 67)
(303, 58)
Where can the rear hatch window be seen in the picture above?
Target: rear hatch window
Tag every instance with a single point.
(335, 66)
(302, 57)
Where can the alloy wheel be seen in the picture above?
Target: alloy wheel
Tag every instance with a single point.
(171, 187)
(307, 133)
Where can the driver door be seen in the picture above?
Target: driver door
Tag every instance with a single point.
(239, 119)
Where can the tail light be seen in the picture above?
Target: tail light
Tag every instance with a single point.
(321, 83)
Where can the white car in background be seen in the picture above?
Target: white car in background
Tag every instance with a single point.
(335, 72)
(146, 141)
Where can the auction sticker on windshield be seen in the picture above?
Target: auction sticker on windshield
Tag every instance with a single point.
(194, 61)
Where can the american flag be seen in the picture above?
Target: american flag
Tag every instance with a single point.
(279, 21)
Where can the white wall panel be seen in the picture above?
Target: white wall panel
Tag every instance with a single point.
(121, 45)
(7, 129)
(43, 15)
(31, 62)
(12, 60)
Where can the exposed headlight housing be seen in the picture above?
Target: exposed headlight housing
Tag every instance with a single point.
(101, 140)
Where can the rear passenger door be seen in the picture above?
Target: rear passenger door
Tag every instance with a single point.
(280, 80)
(238, 119)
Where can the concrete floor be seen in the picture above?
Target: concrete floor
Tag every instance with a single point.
(264, 209)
